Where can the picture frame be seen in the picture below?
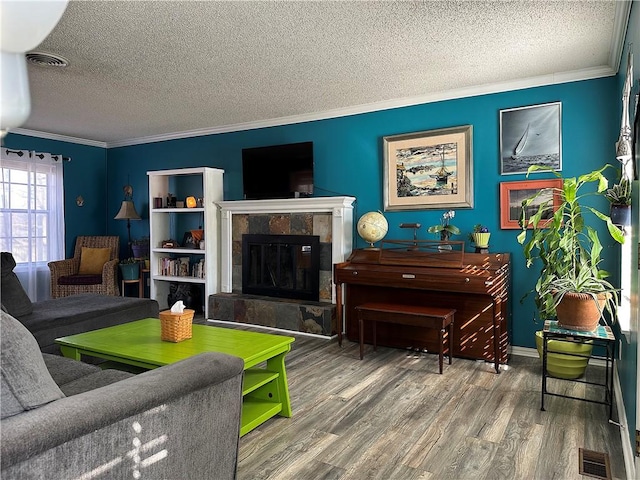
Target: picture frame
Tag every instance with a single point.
(429, 170)
(188, 241)
(530, 135)
(513, 193)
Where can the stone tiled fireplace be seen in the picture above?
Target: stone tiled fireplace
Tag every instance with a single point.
(329, 218)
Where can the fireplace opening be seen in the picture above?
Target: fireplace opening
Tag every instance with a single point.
(283, 266)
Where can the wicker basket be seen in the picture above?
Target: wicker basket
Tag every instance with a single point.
(176, 327)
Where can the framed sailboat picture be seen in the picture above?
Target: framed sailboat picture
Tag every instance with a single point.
(530, 136)
(429, 170)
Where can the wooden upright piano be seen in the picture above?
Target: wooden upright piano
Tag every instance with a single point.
(477, 285)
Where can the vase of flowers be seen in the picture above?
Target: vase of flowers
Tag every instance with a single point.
(445, 228)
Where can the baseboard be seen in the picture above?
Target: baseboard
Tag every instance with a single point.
(627, 448)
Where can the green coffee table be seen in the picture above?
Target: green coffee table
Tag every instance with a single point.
(265, 391)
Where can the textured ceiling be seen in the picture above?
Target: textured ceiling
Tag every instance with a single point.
(142, 71)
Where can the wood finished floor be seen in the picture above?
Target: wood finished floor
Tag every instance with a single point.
(392, 416)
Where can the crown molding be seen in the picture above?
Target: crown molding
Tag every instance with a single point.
(620, 24)
(474, 91)
(61, 138)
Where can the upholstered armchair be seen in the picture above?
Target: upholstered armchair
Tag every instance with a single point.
(93, 268)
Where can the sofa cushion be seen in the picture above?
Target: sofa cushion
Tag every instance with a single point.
(26, 382)
(14, 299)
(93, 381)
(80, 313)
(92, 260)
(64, 370)
(80, 280)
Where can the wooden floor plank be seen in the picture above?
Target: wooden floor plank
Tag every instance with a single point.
(392, 416)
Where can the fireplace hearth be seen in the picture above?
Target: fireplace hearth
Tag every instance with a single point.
(282, 266)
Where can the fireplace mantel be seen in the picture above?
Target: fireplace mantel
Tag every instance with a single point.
(341, 209)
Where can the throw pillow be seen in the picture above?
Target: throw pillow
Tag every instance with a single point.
(26, 383)
(92, 260)
(14, 299)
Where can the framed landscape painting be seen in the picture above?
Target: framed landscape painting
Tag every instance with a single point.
(512, 194)
(429, 170)
(530, 136)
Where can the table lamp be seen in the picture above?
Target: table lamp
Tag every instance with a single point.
(128, 212)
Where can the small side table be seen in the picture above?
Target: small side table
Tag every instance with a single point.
(140, 281)
(135, 280)
(603, 337)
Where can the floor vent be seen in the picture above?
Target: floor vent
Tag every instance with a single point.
(594, 464)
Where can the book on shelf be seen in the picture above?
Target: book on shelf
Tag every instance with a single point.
(181, 267)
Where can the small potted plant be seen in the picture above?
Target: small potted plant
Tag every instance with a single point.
(619, 195)
(130, 268)
(444, 228)
(480, 236)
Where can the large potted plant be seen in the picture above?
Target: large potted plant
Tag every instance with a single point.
(571, 287)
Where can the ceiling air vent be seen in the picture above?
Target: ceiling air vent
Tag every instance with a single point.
(46, 59)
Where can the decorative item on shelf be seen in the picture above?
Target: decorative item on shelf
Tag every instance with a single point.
(169, 243)
(372, 227)
(570, 253)
(200, 202)
(197, 235)
(444, 228)
(140, 248)
(171, 201)
(188, 241)
(130, 269)
(157, 202)
(128, 212)
(619, 195)
(480, 238)
(190, 202)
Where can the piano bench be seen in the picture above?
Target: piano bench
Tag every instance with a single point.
(435, 318)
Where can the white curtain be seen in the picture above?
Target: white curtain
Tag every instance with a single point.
(32, 215)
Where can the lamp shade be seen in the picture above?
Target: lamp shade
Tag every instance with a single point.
(127, 211)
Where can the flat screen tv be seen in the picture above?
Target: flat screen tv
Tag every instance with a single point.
(278, 171)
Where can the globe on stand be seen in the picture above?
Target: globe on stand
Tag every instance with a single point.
(372, 227)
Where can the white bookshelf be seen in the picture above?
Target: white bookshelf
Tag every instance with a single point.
(172, 223)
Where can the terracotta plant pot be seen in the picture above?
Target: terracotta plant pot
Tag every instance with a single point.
(579, 311)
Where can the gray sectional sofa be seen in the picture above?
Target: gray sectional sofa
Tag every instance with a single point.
(50, 319)
(65, 419)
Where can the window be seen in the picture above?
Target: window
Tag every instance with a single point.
(31, 215)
